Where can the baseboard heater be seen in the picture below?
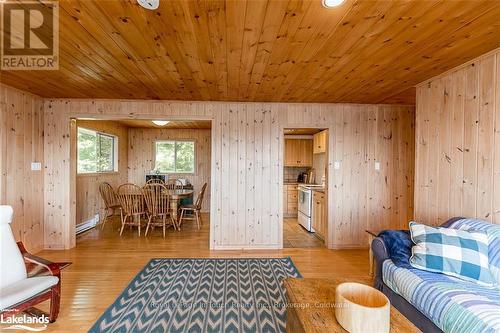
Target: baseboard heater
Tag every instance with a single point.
(87, 225)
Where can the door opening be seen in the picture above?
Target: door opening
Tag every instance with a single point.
(305, 187)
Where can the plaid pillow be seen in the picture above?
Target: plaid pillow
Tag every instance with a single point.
(458, 253)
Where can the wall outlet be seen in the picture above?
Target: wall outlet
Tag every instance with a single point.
(377, 166)
(336, 165)
(36, 166)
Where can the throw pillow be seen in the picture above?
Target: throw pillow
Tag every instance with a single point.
(453, 252)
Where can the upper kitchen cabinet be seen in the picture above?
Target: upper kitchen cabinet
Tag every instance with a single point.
(319, 142)
(298, 152)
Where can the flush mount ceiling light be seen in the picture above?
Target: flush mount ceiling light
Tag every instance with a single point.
(160, 122)
(332, 3)
(149, 4)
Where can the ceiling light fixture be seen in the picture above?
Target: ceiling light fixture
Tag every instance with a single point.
(149, 4)
(332, 3)
(160, 122)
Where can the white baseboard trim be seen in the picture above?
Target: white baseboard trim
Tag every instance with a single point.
(87, 225)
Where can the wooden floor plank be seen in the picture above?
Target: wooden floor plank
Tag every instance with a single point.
(104, 263)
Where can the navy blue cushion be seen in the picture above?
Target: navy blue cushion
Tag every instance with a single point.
(398, 243)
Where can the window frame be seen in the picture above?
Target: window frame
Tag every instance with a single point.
(175, 156)
(115, 164)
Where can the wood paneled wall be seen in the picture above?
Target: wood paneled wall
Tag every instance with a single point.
(458, 143)
(21, 142)
(88, 199)
(247, 165)
(361, 197)
(141, 155)
(366, 198)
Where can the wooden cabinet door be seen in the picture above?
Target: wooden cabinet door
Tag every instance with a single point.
(291, 152)
(316, 143)
(306, 152)
(319, 142)
(323, 220)
(314, 215)
(322, 226)
(290, 200)
(298, 152)
(288, 152)
(319, 214)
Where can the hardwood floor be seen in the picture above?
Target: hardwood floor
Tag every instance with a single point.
(294, 236)
(104, 263)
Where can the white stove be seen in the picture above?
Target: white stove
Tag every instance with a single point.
(305, 199)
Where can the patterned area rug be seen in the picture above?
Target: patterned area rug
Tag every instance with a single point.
(202, 295)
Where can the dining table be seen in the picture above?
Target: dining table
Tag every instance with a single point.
(175, 197)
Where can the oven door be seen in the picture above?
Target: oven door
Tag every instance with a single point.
(304, 204)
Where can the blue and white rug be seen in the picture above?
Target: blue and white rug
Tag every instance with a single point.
(202, 295)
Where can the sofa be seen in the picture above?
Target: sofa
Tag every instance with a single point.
(436, 302)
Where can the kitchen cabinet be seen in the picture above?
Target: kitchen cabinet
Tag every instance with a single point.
(319, 218)
(298, 152)
(290, 200)
(319, 142)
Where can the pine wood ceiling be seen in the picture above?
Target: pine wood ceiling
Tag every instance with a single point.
(296, 51)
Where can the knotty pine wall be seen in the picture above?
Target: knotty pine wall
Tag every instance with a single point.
(88, 199)
(247, 165)
(458, 143)
(141, 155)
(21, 142)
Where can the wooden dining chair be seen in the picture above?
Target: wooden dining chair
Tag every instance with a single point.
(193, 209)
(155, 181)
(174, 184)
(133, 205)
(111, 202)
(158, 204)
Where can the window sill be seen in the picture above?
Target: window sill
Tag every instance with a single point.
(95, 174)
(180, 174)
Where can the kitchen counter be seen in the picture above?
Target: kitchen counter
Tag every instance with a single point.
(317, 189)
(313, 186)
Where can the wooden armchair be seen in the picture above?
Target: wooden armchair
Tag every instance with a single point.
(155, 181)
(158, 203)
(25, 280)
(174, 184)
(111, 202)
(133, 205)
(193, 209)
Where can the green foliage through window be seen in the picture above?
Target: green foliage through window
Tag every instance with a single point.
(96, 151)
(174, 156)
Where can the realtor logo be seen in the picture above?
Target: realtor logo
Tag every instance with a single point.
(30, 35)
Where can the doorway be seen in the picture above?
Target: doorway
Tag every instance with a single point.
(305, 190)
(121, 151)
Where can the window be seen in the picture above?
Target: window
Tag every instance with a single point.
(97, 152)
(174, 156)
